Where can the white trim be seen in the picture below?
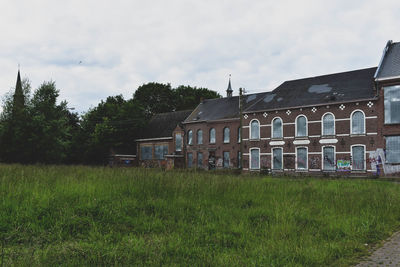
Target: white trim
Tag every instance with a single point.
(372, 133)
(343, 135)
(245, 169)
(245, 139)
(265, 138)
(259, 134)
(154, 139)
(276, 143)
(187, 138)
(288, 123)
(345, 119)
(314, 121)
(295, 132)
(314, 170)
(352, 157)
(259, 159)
(314, 136)
(288, 137)
(388, 78)
(245, 154)
(314, 153)
(272, 158)
(334, 157)
(328, 141)
(351, 121)
(265, 125)
(296, 167)
(343, 152)
(265, 154)
(245, 127)
(223, 135)
(289, 153)
(322, 123)
(122, 155)
(371, 117)
(272, 127)
(301, 142)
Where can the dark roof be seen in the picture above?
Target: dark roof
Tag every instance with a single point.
(338, 87)
(221, 108)
(390, 65)
(163, 124)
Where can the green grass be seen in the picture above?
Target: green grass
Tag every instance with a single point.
(57, 215)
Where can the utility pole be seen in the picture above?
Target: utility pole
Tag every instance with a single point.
(241, 126)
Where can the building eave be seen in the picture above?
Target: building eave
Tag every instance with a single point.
(154, 139)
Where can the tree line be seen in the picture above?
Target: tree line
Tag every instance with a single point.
(36, 128)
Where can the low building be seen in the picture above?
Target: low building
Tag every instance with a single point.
(161, 144)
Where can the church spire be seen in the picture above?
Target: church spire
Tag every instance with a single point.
(18, 99)
(229, 91)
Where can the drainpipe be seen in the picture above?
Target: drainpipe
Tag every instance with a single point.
(241, 126)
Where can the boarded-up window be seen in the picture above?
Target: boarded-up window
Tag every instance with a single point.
(226, 159)
(226, 135)
(190, 137)
(212, 136)
(301, 126)
(189, 160)
(160, 151)
(199, 137)
(328, 126)
(146, 152)
(301, 157)
(358, 156)
(277, 159)
(392, 104)
(255, 129)
(358, 123)
(178, 142)
(255, 159)
(277, 128)
(329, 159)
(393, 149)
(199, 159)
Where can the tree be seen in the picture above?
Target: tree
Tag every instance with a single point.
(187, 97)
(155, 98)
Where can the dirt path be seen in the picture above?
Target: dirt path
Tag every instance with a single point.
(387, 255)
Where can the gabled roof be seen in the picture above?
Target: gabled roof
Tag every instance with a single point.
(390, 63)
(221, 108)
(338, 87)
(162, 125)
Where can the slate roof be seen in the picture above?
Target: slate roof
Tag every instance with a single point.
(221, 108)
(163, 124)
(390, 65)
(338, 87)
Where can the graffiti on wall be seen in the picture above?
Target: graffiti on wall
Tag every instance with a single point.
(343, 165)
(377, 159)
(314, 162)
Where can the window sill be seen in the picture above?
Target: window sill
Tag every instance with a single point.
(355, 135)
(328, 136)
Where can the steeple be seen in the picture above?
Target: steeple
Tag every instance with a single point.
(18, 99)
(229, 91)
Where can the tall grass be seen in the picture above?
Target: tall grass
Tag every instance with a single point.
(67, 216)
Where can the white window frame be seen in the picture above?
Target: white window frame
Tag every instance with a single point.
(209, 136)
(259, 158)
(250, 130)
(223, 135)
(297, 168)
(384, 109)
(295, 123)
(334, 124)
(334, 158)
(386, 137)
(352, 157)
(272, 128)
(272, 158)
(178, 149)
(351, 122)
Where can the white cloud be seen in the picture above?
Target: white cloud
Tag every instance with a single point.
(123, 44)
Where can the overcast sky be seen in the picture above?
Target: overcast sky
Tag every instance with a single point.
(94, 49)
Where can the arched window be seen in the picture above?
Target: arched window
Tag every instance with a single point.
(226, 135)
(328, 124)
(190, 137)
(277, 128)
(301, 126)
(212, 136)
(199, 137)
(254, 129)
(357, 122)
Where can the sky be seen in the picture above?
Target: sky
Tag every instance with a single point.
(94, 49)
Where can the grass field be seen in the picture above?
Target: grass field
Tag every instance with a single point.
(57, 215)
